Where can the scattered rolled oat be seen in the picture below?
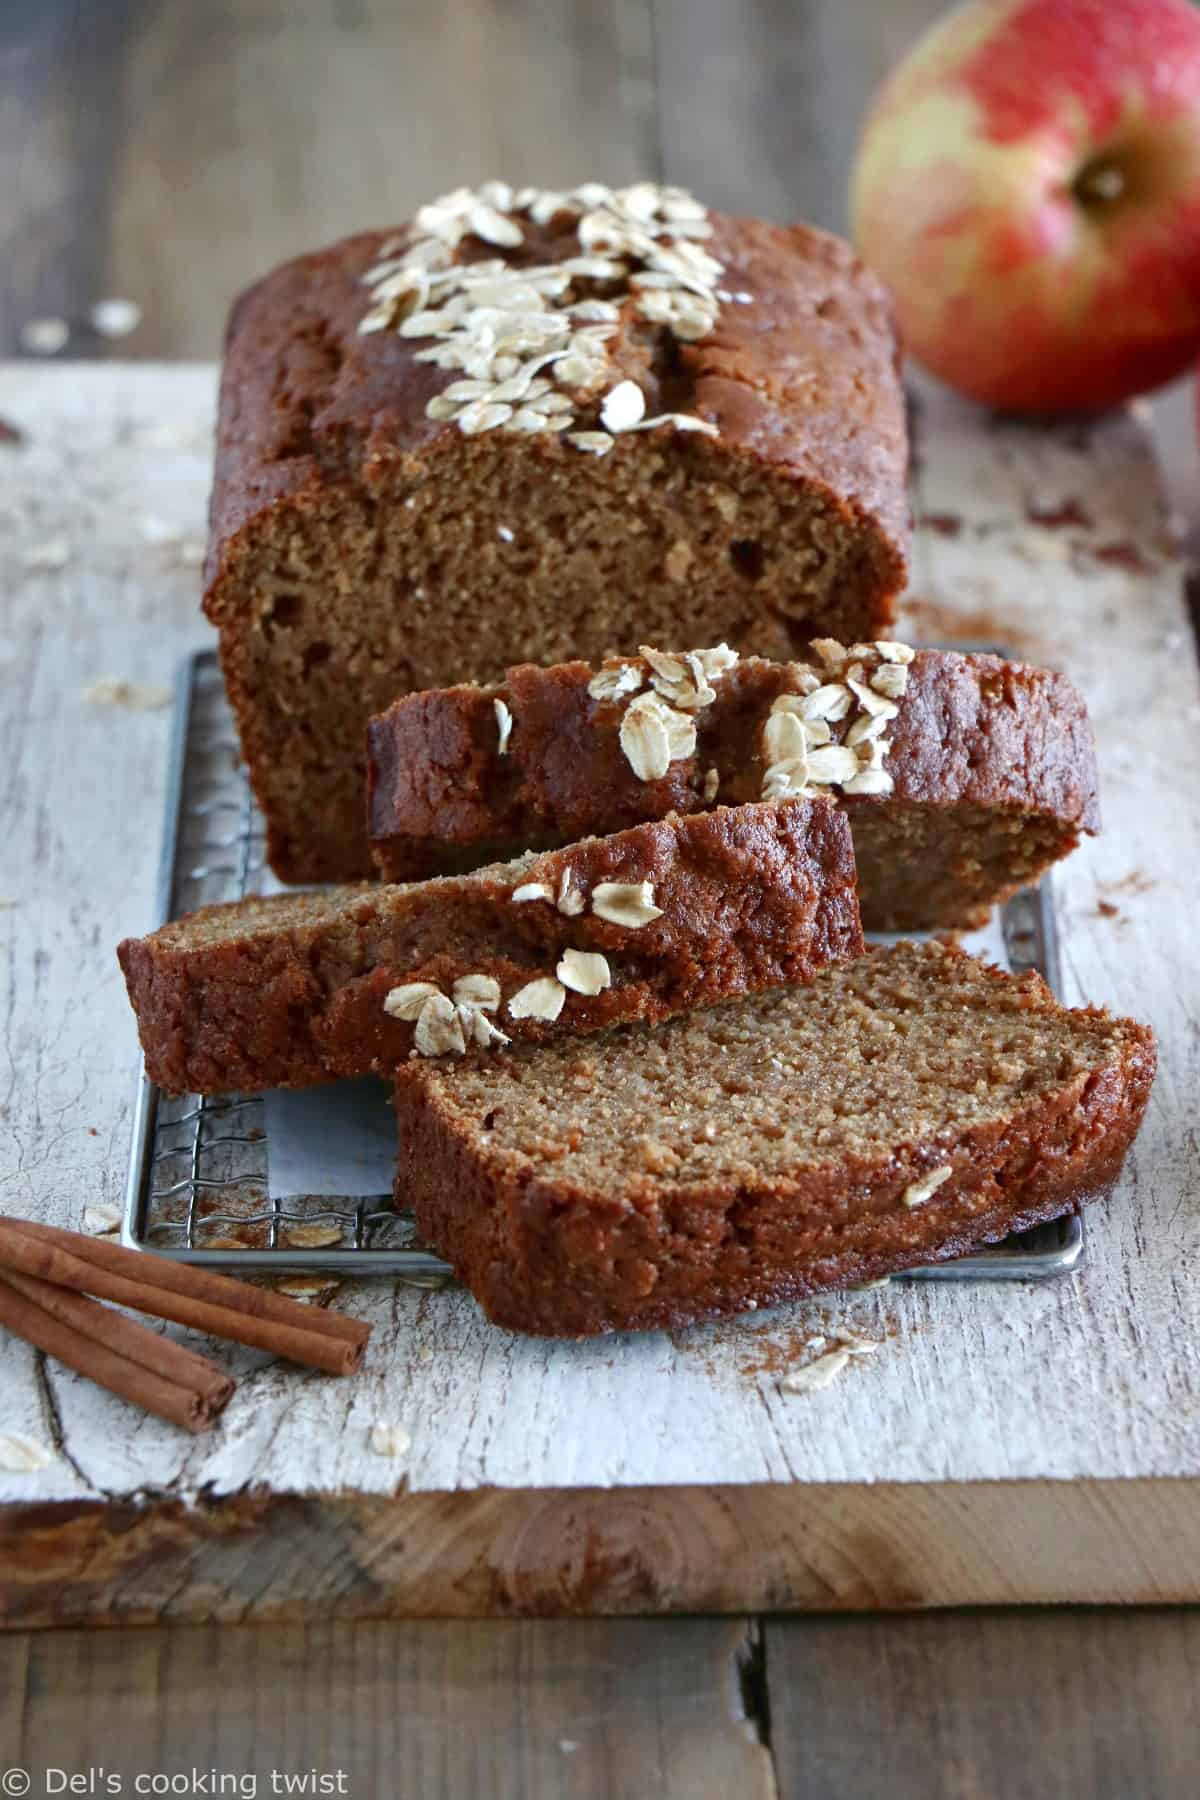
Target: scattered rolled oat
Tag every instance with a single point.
(387, 1439)
(527, 342)
(869, 781)
(20, 1455)
(570, 901)
(816, 1374)
(623, 407)
(595, 443)
(101, 1220)
(445, 1026)
(312, 1237)
(477, 990)
(474, 997)
(800, 751)
(584, 971)
(539, 999)
(44, 337)
(115, 318)
(478, 1029)
(685, 681)
(712, 783)
(137, 696)
(613, 684)
(308, 1289)
(406, 1001)
(504, 724)
(653, 736)
(439, 1030)
(855, 1345)
(832, 763)
(628, 903)
(890, 680)
(532, 890)
(917, 1192)
(55, 553)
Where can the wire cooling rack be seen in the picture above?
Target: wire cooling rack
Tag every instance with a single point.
(198, 1186)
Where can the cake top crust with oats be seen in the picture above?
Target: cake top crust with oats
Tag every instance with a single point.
(773, 340)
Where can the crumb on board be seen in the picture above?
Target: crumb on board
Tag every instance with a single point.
(101, 1220)
(54, 553)
(21, 1455)
(44, 337)
(388, 1439)
(135, 696)
(115, 318)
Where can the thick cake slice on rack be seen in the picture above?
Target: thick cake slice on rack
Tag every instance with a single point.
(301, 988)
(963, 776)
(900, 1109)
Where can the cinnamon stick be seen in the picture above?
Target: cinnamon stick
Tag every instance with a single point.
(162, 1356)
(86, 1351)
(198, 1283)
(178, 1291)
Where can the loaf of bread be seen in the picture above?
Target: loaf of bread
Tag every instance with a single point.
(903, 1108)
(536, 425)
(301, 988)
(981, 773)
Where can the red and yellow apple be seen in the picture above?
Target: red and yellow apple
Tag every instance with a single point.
(1028, 185)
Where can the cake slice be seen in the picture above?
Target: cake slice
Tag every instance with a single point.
(963, 776)
(301, 988)
(536, 424)
(901, 1109)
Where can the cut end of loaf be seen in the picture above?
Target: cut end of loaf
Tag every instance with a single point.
(498, 553)
(367, 541)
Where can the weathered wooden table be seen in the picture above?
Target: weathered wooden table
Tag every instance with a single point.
(1009, 1444)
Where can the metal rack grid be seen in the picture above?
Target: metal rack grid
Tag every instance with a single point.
(198, 1190)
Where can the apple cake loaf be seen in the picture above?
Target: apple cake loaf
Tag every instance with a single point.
(295, 989)
(963, 776)
(903, 1108)
(536, 424)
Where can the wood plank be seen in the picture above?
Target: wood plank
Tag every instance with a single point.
(510, 1711)
(58, 123)
(808, 1547)
(495, 1420)
(980, 1705)
(316, 120)
(761, 105)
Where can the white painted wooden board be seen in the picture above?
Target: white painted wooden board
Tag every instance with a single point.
(1092, 1378)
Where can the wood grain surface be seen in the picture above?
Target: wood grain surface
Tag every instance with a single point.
(516, 1711)
(114, 474)
(990, 1706)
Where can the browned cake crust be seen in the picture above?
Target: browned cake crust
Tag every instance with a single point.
(290, 990)
(992, 764)
(359, 548)
(653, 1178)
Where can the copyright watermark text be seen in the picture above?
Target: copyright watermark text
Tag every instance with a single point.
(179, 1784)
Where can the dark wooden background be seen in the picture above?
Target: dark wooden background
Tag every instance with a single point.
(169, 151)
